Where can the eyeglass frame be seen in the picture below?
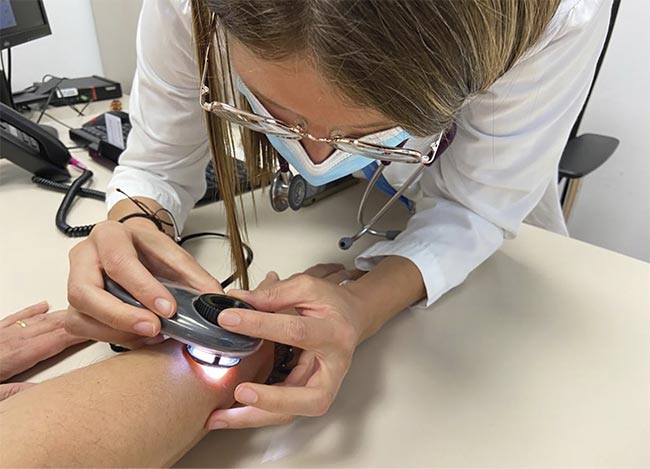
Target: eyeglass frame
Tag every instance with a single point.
(296, 132)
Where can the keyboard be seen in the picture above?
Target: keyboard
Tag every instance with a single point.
(212, 190)
(94, 134)
(99, 131)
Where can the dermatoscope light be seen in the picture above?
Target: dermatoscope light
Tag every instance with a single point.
(195, 324)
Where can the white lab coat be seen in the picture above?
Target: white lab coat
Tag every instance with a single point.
(500, 170)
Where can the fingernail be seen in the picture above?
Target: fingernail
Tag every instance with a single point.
(145, 328)
(163, 307)
(228, 318)
(273, 274)
(246, 396)
(217, 425)
(156, 340)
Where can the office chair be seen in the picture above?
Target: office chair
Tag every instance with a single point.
(585, 153)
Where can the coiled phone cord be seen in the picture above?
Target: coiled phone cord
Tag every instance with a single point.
(77, 189)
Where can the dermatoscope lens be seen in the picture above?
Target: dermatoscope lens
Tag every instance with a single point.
(205, 357)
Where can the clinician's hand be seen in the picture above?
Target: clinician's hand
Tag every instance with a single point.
(130, 253)
(325, 329)
(28, 337)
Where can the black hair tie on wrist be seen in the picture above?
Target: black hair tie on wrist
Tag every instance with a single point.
(153, 219)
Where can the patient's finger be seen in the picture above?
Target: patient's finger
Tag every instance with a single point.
(25, 313)
(245, 417)
(42, 323)
(343, 276)
(9, 389)
(41, 348)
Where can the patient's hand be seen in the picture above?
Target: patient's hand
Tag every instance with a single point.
(28, 337)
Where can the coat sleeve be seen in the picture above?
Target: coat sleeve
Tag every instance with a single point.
(167, 149)
(505, 155)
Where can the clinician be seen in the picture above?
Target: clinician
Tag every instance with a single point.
(511, 75)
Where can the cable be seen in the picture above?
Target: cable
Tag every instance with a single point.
(64, 208)
(77, 189)
(49, 98)
(60, 187)
(247, 249)
(50, 116)
(58, 88)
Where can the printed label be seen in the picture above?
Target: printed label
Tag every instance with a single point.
(114, 130)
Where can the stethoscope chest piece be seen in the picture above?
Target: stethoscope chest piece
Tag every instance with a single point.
(279, 190)
(297, 192)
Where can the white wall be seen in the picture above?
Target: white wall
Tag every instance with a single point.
(117, 45)
(613, 205)
(71, 50)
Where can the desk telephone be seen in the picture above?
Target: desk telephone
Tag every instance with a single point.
(31, 147)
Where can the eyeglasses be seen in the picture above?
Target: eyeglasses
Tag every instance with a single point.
(278, 128)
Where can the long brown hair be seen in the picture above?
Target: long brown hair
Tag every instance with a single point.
(415, 61)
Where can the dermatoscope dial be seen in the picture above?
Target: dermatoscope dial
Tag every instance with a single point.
(210, 305)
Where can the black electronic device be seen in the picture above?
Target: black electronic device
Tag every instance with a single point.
(22, 21)
(31, 147)
(65, 91)
(94, 134)
(195, 324)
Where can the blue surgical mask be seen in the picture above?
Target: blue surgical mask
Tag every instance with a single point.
(338, 164)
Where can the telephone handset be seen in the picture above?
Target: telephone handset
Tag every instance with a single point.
(31, 147)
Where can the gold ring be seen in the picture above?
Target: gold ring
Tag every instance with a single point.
(21, 323)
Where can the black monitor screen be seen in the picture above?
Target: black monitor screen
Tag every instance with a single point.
(22, 21)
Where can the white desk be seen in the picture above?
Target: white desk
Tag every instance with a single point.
(540, 359)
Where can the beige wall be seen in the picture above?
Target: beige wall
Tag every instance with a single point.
(116, 23)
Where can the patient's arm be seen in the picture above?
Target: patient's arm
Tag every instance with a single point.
(143, 408)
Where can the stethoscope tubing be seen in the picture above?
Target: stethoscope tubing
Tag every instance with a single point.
(347, 242)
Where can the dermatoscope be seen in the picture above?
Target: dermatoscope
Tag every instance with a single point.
(195, 324)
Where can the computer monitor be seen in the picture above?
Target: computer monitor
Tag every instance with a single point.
(22, 21)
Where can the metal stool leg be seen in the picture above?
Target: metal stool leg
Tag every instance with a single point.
(570, 193)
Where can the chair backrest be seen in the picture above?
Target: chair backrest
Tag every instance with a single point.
(612, 19)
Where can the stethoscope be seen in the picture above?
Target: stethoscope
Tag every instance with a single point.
(287, 190)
